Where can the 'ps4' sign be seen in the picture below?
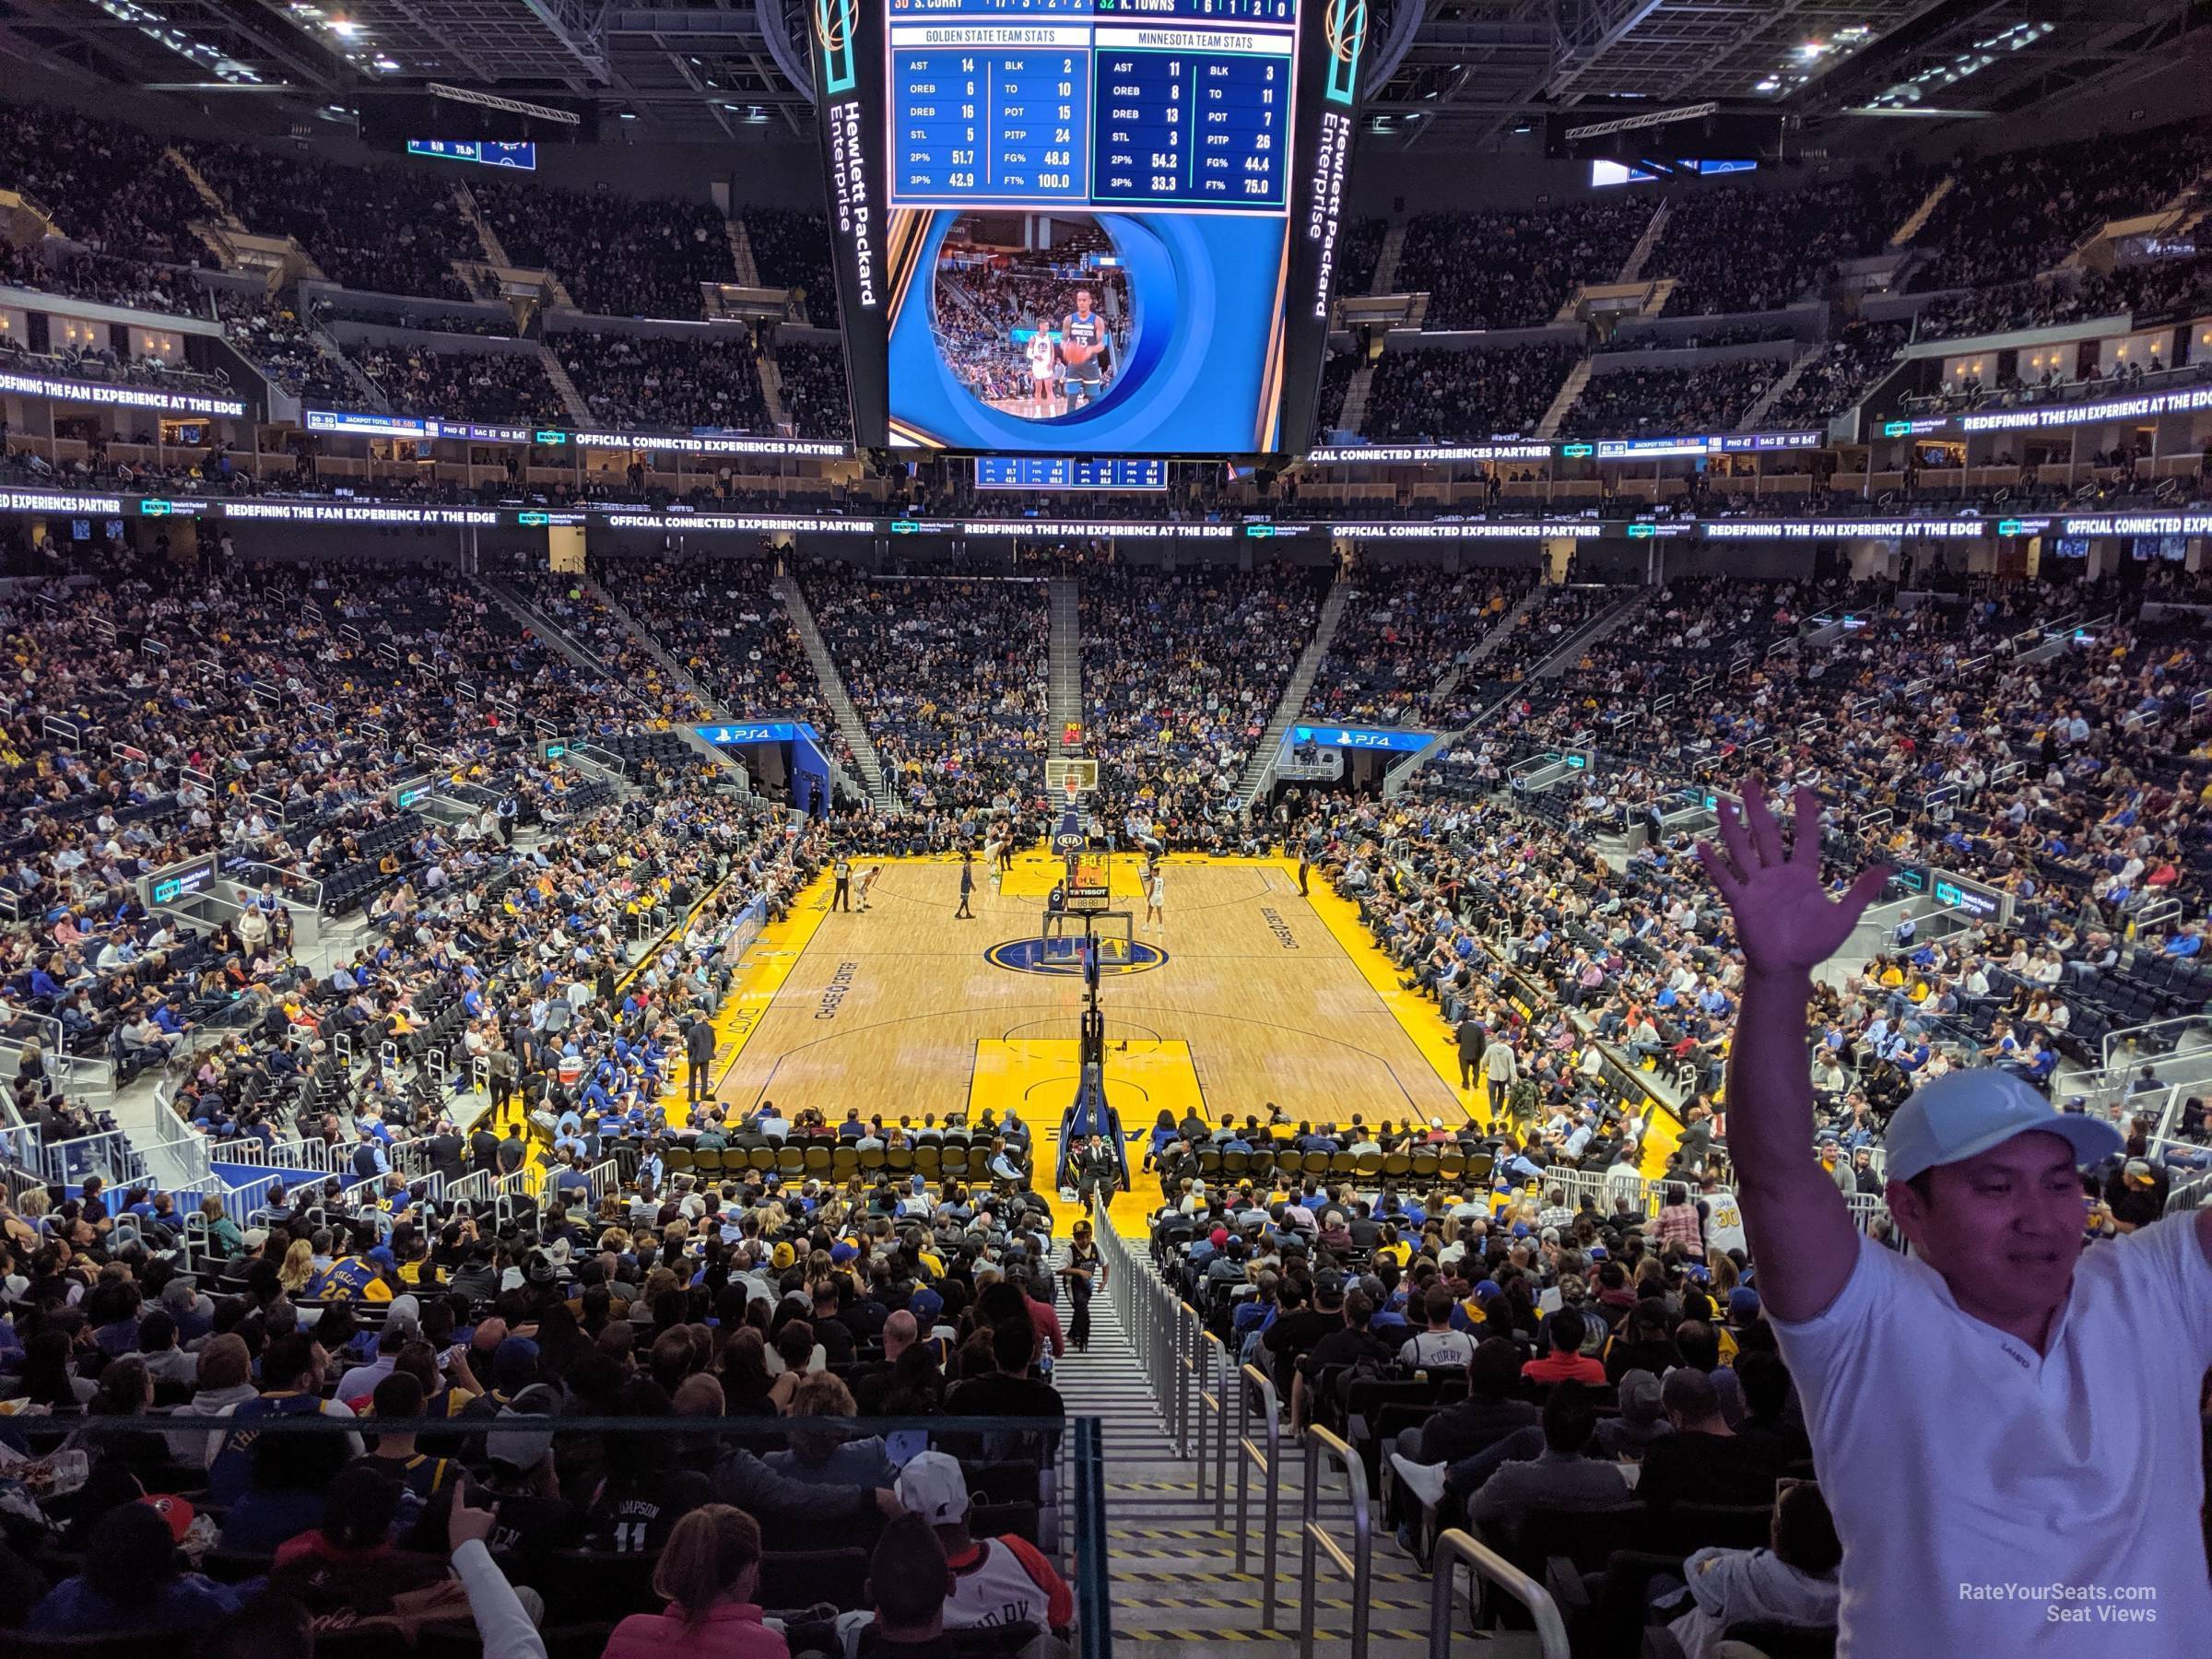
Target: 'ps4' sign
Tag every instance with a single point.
(1361, 737)
(763, 731)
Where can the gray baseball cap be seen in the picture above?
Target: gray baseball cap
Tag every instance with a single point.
(1964, 1114)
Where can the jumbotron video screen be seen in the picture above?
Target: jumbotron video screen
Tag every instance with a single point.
(1087, 227)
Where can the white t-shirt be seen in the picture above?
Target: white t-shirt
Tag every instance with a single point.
(1957, 1460)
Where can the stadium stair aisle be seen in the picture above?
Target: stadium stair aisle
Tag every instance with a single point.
(1175, 1589)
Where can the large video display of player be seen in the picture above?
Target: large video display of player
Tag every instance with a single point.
(1094, 226)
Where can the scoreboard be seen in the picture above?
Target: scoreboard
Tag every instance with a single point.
(1067, 472)
(1066, 228)
(1025, 103)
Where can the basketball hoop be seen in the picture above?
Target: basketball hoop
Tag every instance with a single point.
(1069, 785)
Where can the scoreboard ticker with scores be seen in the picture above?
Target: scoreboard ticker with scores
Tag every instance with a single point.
(483, 152)
(1067, 228)
(1067, 472)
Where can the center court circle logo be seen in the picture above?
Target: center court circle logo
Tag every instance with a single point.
(1059, 956)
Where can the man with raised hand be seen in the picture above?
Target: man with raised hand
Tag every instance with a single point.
(2006, 1428)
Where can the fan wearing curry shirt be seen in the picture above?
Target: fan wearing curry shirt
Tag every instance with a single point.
(1083, 349)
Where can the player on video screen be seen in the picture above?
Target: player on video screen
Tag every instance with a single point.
(1043, 367)
(1083, 346)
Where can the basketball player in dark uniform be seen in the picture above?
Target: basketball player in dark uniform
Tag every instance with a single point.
(1083, 349)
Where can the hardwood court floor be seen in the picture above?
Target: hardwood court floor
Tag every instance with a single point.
(900, 1009)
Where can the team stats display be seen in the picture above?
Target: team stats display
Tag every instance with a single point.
(1076, 228)
(1092, 103)
(1068, 472)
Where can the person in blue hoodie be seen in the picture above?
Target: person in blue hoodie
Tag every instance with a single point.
(133, 1583)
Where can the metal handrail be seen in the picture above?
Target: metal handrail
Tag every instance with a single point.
(1181, 1364)
(1269, 1463)
(1359, 1565)
(2129, 1034)
(1210, 1354)
(1454, 1548)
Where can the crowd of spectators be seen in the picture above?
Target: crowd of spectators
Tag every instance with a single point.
(507, 385)
(2016, 212)
(577, 609)
(1336, 372)
(108, 187)
(1515, 269)
(1742, 248)
(282, 343)
(2159, 289)
(1405, 631)
(949, 677)
(88, 363)
(2061, 801)
(620, 1287)
(1467, 394)
(1709, 338)
(386, 230)
(107, 279)
(2054, 387)
(618, 256)
(342, 307)
(276, 713)
(2031, 303)
(651, 383)
(814, 395)
(1182, 673)
(1847, 366)
(791, 250)
(1629, 402)
(725, 626)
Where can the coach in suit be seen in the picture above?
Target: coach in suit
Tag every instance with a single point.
(1098, 1172)
(1472, 1039)
(699, 1050)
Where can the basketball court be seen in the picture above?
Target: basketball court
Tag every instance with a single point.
(1248, 995)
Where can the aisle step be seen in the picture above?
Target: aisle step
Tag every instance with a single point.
(1175, 1589)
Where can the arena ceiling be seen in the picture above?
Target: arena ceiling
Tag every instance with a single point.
(1463, 73)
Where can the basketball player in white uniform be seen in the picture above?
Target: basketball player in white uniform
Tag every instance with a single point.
(1083, 346)
(1156, 899)
(1043, 365)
